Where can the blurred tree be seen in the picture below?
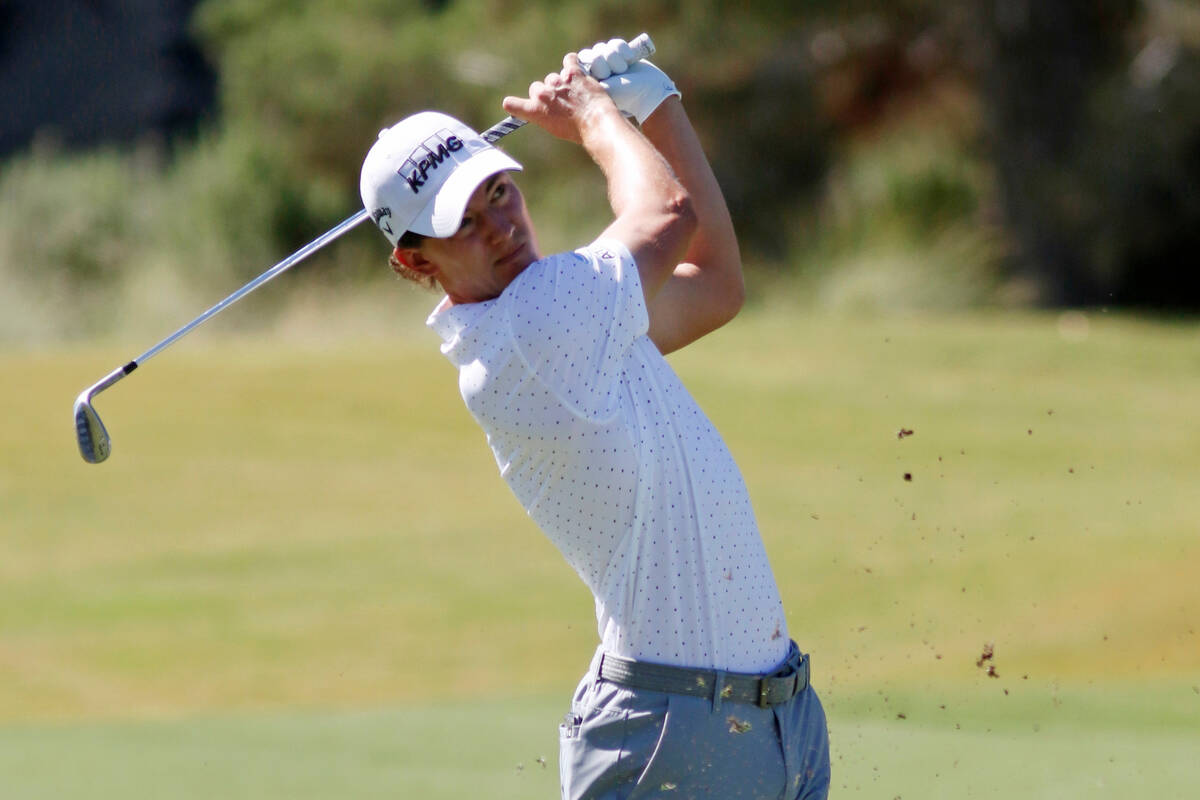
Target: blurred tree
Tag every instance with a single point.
(92, 73)
(1145, 170)
(1094, 125)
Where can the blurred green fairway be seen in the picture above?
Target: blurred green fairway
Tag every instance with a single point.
(300, 576)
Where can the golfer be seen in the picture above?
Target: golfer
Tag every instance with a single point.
(696, 689)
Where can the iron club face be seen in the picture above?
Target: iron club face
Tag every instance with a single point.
(94, 444)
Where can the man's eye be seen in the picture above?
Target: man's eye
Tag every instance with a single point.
(499, 192)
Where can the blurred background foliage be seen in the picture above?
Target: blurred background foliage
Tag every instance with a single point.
(915, 154)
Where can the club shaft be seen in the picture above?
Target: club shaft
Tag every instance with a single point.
(316, 244)
(93, 439)
(492, 134)
(642, 46)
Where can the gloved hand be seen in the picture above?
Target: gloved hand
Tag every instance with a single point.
(637, 87)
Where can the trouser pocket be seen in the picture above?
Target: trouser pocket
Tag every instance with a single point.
(603, 750)
(707, 753)
(589, 753)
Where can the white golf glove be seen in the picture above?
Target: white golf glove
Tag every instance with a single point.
(637, 87)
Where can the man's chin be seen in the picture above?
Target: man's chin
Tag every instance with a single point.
(513, 265)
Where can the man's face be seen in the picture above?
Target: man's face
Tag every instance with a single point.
(494, 243)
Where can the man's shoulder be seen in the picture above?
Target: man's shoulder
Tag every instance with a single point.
(608, 250)
(607, 257)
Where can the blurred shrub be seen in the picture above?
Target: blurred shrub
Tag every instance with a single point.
(903, 225)
(89, 240)
(70, 226)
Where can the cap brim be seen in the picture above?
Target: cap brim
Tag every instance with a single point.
(442, 216)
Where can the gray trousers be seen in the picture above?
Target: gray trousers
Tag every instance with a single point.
(619, 743)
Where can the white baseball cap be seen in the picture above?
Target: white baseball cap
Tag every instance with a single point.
(421, 172)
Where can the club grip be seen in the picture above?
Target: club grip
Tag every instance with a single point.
(642, 46)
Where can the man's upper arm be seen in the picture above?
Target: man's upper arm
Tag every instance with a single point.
(702, 287)
(656, 240)
(685, 303)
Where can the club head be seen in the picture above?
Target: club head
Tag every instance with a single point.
(94, 444)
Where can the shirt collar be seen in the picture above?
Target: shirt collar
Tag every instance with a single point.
(450, 321)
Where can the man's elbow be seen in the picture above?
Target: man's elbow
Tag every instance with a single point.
(730, 298)
(683, 221)
(735, 295)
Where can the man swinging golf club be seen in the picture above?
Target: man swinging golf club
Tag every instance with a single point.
(696, 690)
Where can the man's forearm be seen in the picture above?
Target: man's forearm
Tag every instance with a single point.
(654, 216)
(639, 178)
(653, 209)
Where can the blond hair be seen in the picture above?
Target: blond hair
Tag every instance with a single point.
(410, 274)
(410, 240)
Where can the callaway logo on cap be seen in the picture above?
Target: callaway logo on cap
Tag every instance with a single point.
(421, 172)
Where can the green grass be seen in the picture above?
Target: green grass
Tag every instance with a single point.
(448, 751)
(299, 575)
(1072, 745)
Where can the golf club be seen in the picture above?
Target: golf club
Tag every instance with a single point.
(94, 442)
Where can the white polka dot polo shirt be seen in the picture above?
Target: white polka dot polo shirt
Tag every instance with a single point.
(614, 461)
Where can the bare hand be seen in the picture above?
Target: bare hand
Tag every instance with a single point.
(562, 103)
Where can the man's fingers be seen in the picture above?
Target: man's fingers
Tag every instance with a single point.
(599, 68)
(570, 63)
(556, 99)
(623, 52)
(541, 94)
(519, 107)
(617, 55)
(605, 59)
(525, 107)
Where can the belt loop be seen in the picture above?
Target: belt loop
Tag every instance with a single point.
(764, 693)
(596, 668)
(718, 690)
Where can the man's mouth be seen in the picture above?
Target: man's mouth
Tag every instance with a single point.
(511, 256)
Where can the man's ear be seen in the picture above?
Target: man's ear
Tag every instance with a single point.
(415, 260)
